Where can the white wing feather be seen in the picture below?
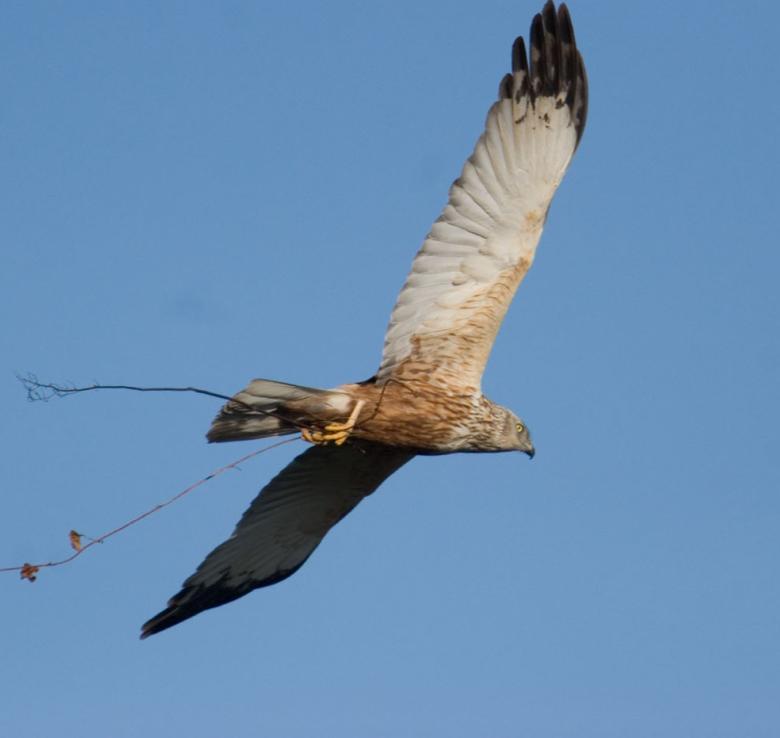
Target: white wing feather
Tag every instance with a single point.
(465, 275)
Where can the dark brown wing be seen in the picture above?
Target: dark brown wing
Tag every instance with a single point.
(283, 525)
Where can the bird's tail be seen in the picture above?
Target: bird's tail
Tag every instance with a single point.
(268, 408)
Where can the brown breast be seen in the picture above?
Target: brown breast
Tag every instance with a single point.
(417, 415)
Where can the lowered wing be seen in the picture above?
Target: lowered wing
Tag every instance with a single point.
(283, 525)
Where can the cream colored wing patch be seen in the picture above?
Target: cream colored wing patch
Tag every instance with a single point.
(465, 275)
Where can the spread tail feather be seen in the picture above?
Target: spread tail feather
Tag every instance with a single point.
(259, 411)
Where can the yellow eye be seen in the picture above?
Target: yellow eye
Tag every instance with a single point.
(520, 427)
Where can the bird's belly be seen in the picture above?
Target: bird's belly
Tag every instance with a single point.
(419, 418)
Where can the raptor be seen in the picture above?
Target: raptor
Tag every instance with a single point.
(426, 396)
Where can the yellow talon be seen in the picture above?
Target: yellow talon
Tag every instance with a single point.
(334, 432)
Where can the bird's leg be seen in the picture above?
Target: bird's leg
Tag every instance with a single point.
(334, 432)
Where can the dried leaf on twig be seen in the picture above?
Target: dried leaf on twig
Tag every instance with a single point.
(75, 540)
(28, 572)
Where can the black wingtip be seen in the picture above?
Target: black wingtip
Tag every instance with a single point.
(554, 66)
(191, 601)
(517, 86)
(552, 45)
(185, 604)
(546, 53)
(519, 57)
(161, 621)
(505, 87)
(580, 105)
(565, 26)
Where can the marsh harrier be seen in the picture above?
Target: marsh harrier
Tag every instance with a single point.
(425, 397)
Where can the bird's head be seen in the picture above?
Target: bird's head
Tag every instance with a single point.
(518, 436)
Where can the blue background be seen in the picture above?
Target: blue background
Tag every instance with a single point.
(198, 193)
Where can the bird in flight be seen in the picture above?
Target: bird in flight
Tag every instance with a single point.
(426, 396)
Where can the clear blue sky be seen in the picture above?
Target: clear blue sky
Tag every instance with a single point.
(200, 194)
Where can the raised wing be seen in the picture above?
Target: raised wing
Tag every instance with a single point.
(465, 275)
(283, 525)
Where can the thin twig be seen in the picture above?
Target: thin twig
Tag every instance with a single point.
(38, 391)
(28, 571)
(45, 391)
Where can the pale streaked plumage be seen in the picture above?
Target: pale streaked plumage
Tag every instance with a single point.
(426, 396)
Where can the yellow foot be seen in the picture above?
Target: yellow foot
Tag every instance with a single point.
(334, 432)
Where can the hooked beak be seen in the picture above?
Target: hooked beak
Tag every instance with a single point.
(531, 452)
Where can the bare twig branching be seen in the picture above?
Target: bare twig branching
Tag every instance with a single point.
(30, 571)
(38, 391)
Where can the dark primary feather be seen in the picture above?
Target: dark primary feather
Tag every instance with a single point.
(556, 67)
(283, 525)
